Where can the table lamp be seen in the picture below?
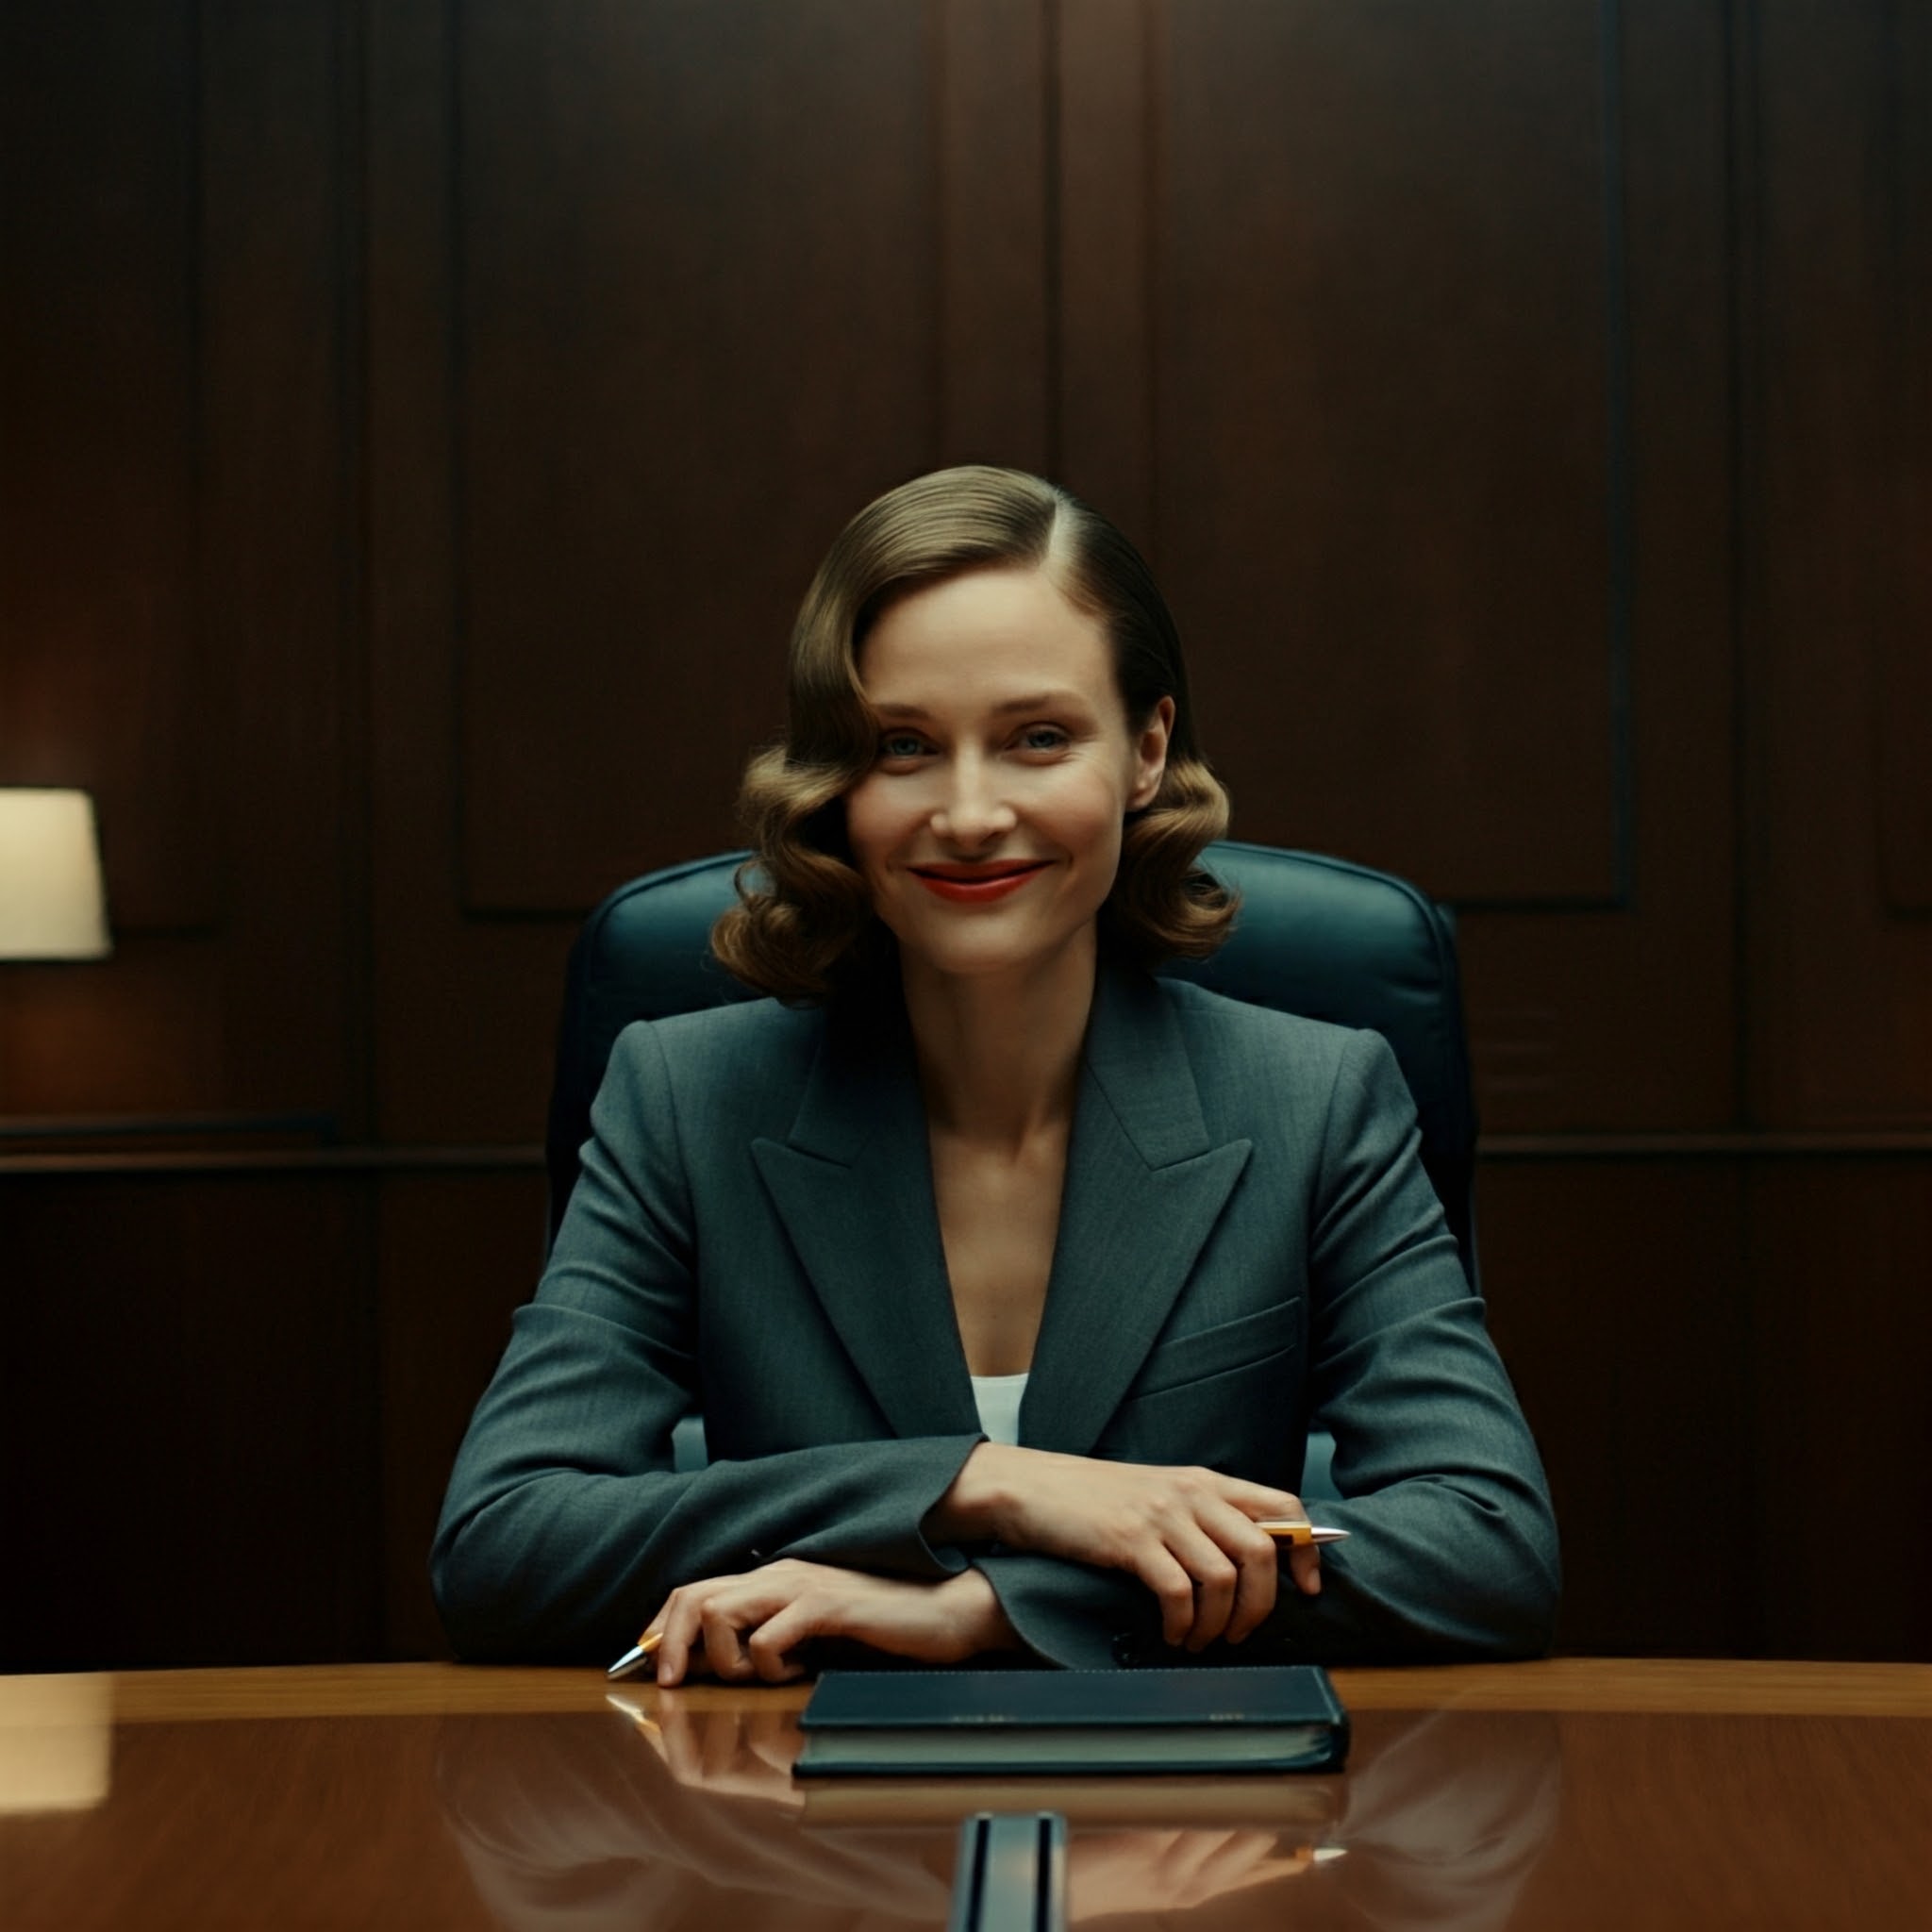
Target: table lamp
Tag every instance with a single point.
(51, 901)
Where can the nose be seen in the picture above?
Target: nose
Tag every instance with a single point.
(972, 813)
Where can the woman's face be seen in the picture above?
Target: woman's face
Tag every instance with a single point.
(989, 828)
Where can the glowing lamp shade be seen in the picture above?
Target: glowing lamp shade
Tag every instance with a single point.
(51, 901)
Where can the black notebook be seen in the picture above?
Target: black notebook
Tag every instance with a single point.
(1026, 1724)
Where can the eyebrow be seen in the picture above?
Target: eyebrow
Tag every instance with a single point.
(1036, 701)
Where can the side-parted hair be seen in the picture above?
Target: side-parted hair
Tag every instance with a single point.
(804, 924)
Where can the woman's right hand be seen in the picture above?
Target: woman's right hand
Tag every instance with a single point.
(1188, 1534)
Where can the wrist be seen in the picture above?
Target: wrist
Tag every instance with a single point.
(977, 1506)
(992, 1628)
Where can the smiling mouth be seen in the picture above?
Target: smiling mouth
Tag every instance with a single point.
(975, 875)
(977, 882)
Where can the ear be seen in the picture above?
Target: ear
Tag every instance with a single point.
(1150, 754)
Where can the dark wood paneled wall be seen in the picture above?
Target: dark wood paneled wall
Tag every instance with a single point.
(419, 423)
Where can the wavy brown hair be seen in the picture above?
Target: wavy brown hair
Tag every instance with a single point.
(804, 924)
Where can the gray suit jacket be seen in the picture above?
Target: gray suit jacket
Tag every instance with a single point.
(1246, 1237)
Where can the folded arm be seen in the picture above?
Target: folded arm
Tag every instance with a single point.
(1452, 1548)
(564, 1527)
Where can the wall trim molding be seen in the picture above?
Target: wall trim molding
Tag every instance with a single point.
(1501, 1149)
(283, 1160)
(1763, 1144)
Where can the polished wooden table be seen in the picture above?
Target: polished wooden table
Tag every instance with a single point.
(1572, 1793)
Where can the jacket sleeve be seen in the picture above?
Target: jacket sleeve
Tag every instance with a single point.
(564, 1527)
(1452, 1541)
(1452, 1552)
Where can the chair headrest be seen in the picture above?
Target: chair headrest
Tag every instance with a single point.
(1316, 936)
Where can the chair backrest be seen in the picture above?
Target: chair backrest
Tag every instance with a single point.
(1316, 936)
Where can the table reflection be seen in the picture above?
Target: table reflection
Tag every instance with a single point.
(679, 1813)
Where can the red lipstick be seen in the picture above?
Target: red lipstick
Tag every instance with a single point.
(975, 885)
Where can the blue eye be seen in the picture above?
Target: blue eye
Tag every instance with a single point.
(900, 744)
(1044, 736)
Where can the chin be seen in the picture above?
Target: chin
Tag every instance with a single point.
(985, 954)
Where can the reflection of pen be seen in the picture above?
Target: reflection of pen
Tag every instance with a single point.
(636, 1660)
(636, 1712)
(1301, 1534)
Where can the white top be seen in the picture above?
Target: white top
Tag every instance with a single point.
(997, 1398)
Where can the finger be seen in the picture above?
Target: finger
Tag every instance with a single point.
(779, 1752)
(679, 1620)
(1305, 1566)
(717, 1746)
(719, 1620)
(680, 1739)
(776, 1739)
(1214, 1575)
(743, 1756)
(695, 1664)
(1236, 1859)
(1184, 1868)
(772, 1645)
(1259, 1560)
(1162, 1573)
(1259, 1501)
(645, 1656)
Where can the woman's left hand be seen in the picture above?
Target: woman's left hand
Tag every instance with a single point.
(749, 1626)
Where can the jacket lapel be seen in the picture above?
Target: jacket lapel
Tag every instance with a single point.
(853, 1185)
(1143, 1189)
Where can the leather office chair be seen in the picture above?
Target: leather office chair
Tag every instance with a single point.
(1316, 936)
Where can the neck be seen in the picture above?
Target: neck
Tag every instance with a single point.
(999, 1054)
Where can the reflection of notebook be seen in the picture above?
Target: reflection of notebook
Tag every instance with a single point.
(943, 1724)
(1300, 1810)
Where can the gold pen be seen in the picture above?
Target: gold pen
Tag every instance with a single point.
(636, 1659)
(1300, 1534)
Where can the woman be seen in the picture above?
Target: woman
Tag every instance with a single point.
(1008, 1275)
